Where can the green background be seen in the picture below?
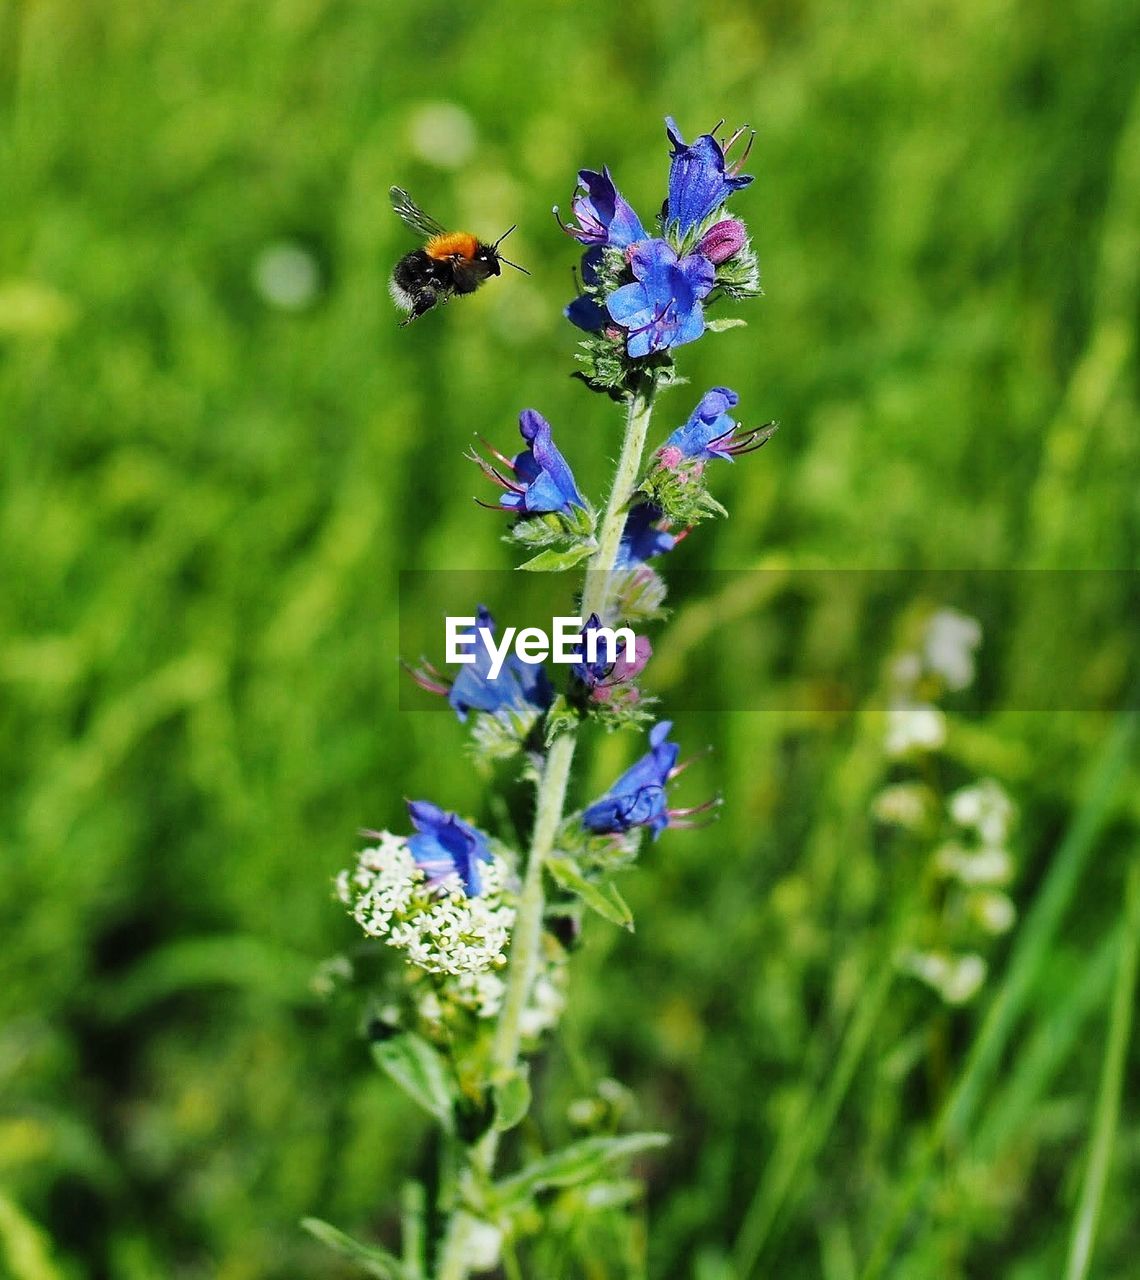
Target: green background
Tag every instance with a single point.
(206, 500)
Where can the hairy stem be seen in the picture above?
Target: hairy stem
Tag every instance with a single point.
(550, 801)
(599, 570)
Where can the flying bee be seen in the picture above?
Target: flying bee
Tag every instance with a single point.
(450, 262)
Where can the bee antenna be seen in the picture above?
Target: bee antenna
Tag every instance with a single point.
(513, 264)
(506, 233)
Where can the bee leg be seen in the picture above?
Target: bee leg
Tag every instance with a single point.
(425, 299)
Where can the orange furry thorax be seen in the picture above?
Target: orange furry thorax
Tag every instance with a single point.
(451, 244)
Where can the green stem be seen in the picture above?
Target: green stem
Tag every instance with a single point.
(1111, 1084)
(551, 795)
(599, 571)
(550, 801)
(526, 942)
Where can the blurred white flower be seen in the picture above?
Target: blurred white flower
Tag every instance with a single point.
(442, 134)
(948, 647)
(956, 979)
(994, 912)
(481, 992)
(484, 1243)
(547, 1000)
(905, 804)
(906, 670)
(916, 725)
(988, 866)
(985, 808)
(330, 974)
(286, 275)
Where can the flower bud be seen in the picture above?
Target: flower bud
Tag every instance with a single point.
(723, 240)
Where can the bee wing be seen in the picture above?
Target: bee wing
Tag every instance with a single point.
(412, 215)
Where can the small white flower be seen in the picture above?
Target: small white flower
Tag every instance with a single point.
(906, 670)
(904, 804)
(914, 726)
(547, 1001)
(985, 808)
(484, 1242)
(957, 979)
(438, 927)
(994, 912)
(948, 647)
(987, 866)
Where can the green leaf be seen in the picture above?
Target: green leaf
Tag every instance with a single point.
(603, 898)
(421, 1072)
(24, 1245)
(573, 1165)
(722, 323)
(555, 561)
(511, 1094)
(374, 1261)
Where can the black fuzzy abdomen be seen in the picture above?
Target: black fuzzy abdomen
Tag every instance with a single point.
(416, 271)
(419, 282)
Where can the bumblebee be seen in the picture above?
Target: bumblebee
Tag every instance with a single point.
(451, 261)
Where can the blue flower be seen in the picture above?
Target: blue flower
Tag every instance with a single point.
(519, 686)
(543, 481)
(445, 845)
(710, 433)
(637, 798)
(641, 539)
(708, 422)
(585, 311)
(605, 677)
(699, 180)
(663, 308)
(604, 218)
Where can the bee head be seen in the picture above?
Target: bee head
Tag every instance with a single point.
(488, 258)
(493, 250)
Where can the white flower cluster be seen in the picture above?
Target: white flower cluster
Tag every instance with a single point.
(944, 658)
(978, 866)
(982, 866)
(438, 927)
(482, 993)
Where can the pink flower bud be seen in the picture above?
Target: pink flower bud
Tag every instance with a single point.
(670, 457)
(723, 240)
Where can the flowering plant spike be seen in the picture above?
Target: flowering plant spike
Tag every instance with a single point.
(478, 934)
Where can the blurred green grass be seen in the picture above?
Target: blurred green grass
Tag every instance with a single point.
(206, 499)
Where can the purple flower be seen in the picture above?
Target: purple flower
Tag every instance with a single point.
(445, 845)
(711, 433)
(699, 180)
(663, 308)
(641, 538)
(637, 798)
(518, 686)
(543, 482)
(604, 678)
(604, 218)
